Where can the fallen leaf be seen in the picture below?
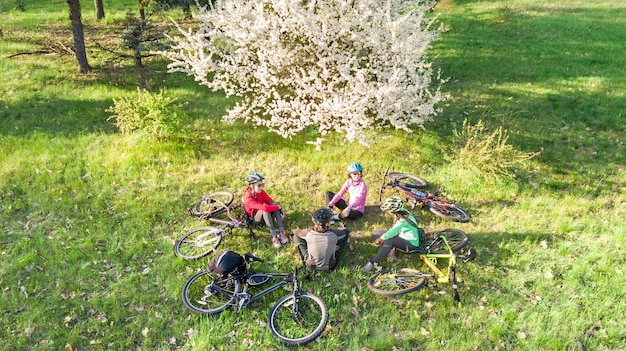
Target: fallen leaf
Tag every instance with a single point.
(354, 311)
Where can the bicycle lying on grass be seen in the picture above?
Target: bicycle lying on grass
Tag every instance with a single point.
(202, 241)
(442, 244)
(295, 319)
(409, 184)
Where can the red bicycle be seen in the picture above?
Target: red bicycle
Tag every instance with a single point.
(410, 186)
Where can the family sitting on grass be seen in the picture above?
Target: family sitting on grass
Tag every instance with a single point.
(322, 245)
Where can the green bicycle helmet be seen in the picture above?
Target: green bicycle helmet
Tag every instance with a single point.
(392, 204)
(322, 216)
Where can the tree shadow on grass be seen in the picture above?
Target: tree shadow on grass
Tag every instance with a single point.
(545, 74)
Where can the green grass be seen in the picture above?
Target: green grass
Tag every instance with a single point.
(89, 217)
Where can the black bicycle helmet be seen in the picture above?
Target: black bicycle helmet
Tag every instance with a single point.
(254, 178)
(355, 167)
(392, 204)
(322, 216)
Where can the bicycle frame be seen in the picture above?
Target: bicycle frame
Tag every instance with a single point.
(446, 275)
(232, 221)
(424, 199)
(243, 298)
(412, 193)
(442, 275)
(224, 229)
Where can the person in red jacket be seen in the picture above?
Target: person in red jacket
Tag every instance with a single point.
(262, 208)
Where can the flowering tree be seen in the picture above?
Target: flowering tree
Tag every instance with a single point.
(337, 65)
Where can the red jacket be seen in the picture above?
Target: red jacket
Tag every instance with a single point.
(261, 202)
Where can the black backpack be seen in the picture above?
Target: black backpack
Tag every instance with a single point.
(227, 262)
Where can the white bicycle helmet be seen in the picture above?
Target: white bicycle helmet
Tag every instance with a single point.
(392, 204)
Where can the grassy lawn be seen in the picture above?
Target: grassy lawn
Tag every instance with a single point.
(89, 216)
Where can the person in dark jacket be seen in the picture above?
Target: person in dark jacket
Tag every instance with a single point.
(321, 246)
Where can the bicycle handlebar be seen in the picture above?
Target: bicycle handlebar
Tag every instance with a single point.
(383, 185)
(251, 258)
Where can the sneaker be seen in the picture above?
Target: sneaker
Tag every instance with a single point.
(283, 238)
(276, 242)
(368, 267)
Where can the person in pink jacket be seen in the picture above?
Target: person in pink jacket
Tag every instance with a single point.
(356, 188)
(262, 208)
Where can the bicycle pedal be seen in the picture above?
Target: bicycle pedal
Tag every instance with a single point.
(471, 255)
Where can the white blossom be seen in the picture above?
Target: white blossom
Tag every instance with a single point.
(344, 66)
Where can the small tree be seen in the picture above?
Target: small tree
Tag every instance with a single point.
(140, 37)
(337, 65)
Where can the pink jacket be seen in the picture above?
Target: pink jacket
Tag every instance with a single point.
(262, 202)
(357, 191)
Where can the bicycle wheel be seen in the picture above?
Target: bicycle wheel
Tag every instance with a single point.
(450, 212)
(301, 323)
(212, 204)
(457, 239)
(396, 282)
(407, 180)
(198, 242)
(204, 294)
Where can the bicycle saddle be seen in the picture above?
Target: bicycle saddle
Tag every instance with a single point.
(251, 258)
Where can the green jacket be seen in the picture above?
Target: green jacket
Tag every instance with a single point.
(405, 230)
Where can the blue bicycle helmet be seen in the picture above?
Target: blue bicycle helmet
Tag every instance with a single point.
(355, 167)
(254, 178)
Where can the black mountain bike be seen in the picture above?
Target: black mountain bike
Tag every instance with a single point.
(409, 184)
(295, 319)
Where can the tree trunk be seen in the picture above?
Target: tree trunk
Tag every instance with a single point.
(142, 12)
(99, 9)
(79, 37)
